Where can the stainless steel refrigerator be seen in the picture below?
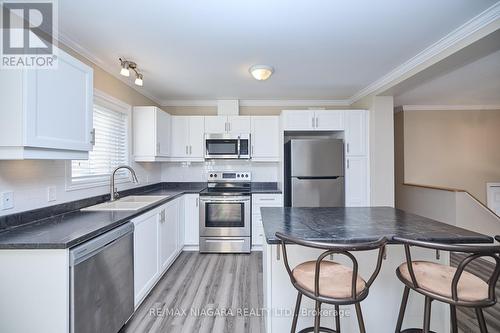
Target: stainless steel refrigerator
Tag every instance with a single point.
(314, 173)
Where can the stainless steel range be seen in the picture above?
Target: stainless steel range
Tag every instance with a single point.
(225, 216)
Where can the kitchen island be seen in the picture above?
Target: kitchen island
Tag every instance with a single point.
(380, 309)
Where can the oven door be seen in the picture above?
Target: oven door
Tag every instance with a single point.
(225, 216)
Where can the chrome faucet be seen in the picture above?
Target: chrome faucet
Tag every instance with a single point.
(112, 188)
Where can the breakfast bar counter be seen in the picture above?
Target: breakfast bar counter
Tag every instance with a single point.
(345, 225)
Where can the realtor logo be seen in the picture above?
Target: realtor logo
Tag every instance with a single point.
(28, 34)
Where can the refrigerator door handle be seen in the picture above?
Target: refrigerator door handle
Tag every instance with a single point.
(309, 177)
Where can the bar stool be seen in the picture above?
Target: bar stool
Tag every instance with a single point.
(451, 285)
(329, 282)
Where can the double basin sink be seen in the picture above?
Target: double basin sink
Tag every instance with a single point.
(130, 203)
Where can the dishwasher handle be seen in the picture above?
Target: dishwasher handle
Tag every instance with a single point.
(93, 246)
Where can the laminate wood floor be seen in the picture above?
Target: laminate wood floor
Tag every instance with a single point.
(209, 293)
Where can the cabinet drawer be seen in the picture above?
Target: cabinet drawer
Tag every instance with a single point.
(266, 200)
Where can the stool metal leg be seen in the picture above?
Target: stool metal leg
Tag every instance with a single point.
(453, 318)
(359, 314)
(402, 309)
(482, 322)
(296, 312)
(317, 317)
(427, 315)
(337, 319)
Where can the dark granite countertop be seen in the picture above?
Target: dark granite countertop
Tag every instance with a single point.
(75, 227)
(64, 226)
(360, 224)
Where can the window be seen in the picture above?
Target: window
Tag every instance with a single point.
(110, 148)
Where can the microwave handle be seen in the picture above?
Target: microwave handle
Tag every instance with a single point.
(239, 146)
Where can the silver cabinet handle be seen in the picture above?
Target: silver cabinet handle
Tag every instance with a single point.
(317, 122)
(92, 137)
(347, 147)
(190, 150)
(312, 122)
(187, 153)
(252, 150)
(266, 199)
(158, 147)
(347, 164)
(197, 202)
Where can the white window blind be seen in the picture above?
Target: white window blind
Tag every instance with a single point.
(110, 149)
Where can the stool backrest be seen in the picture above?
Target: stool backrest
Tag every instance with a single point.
(336, 248)
(473, 252)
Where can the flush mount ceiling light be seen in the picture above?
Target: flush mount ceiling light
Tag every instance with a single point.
(261, 72)
(130, 65)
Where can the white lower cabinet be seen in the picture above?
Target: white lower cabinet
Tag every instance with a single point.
(259, 201)
(146, 269)
(156, 245)
(357, 182)
(191, 220)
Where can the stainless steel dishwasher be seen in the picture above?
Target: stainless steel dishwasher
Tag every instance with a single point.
(102, 282)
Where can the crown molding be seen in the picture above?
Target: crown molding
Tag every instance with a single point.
(478, 27)
(448, 107)
(262, 102)
(67, 41)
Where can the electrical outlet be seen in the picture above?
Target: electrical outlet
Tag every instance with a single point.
(51, 193)
(7, 200)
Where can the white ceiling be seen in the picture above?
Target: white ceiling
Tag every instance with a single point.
(321, 49)
(468, 77)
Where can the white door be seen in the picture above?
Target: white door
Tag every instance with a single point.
(494, 197)
(356, 182)
(239, 124)
(191, 219)
(329, 120)
(298, 120)
(145, 255)
(196, 137)
(265, 138)
(59, 105)
(216, 124)
(163, 129)
(180, 136)
(355, 132)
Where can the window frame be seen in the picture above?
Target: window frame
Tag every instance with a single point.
(105, 101)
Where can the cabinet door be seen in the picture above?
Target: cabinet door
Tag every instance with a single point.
(265, 138)
(191, 219)
(145, 255)
(329, 120)
(168, 234)
(216, 124)
(163, 129)
(239, 124)
(298, 120)
(196, 137)
(356, 180)
(180, 136)
(356, 132)
(59, 105)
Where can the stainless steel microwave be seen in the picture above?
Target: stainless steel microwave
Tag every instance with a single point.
(227, 146)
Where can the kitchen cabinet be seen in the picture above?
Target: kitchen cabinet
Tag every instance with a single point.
(47, 113)
(313, 120)
(152, 133)
(169, 224)
(227, 124)
(265, 138)
(259, 201)
(191, 220)
(187, 138)
(356, 134)
(146, 270)
(357, 182)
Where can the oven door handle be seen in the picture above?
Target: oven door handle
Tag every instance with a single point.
(238, 199)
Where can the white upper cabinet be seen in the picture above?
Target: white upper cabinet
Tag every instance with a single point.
(313, 120)
(331, 120)
(187, 138)
(227, 124)
(265, 138)
(47, 113)
(356, 134)
(152, 133)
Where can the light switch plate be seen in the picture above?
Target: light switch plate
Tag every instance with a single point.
(7, 200)
(51, 193)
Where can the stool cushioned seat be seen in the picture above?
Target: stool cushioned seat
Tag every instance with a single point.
(437, 278)
(335, 280)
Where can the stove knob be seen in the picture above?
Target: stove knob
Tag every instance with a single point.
(238, 175)
(211, 175)
(215, 175)
(246, 175)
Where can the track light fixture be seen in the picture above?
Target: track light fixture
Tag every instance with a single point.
(130, 65)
